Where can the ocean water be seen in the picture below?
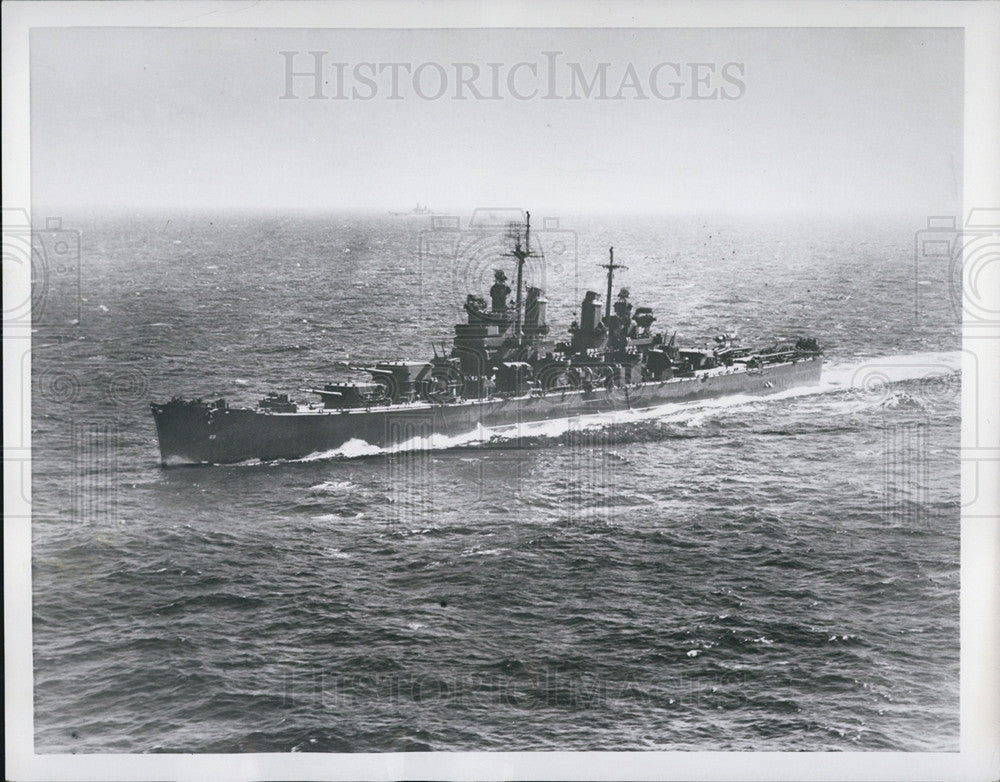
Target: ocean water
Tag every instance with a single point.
(745, 574)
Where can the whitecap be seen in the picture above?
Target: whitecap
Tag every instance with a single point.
(331, 486)
(488, 552)
(352, 448)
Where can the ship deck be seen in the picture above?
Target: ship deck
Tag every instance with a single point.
(699, 376)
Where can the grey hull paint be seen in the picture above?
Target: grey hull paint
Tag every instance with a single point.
(196, 435)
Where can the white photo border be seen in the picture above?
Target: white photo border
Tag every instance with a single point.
(979, 755)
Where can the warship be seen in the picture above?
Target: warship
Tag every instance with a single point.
(503, 369)
(417, 211)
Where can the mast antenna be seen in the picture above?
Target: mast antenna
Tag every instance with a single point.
(521, 254)
(610, 266)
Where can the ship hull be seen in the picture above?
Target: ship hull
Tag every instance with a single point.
(202, 435)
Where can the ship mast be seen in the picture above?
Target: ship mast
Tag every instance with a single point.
(521, 254)
(610, 266)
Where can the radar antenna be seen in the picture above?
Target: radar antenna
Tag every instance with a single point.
(610, 266)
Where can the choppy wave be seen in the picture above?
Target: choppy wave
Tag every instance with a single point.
(746, 573)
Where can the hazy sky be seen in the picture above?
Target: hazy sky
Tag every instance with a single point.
(814, 120)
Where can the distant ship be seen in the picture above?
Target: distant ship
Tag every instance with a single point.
(419, 209)
(502, 369)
